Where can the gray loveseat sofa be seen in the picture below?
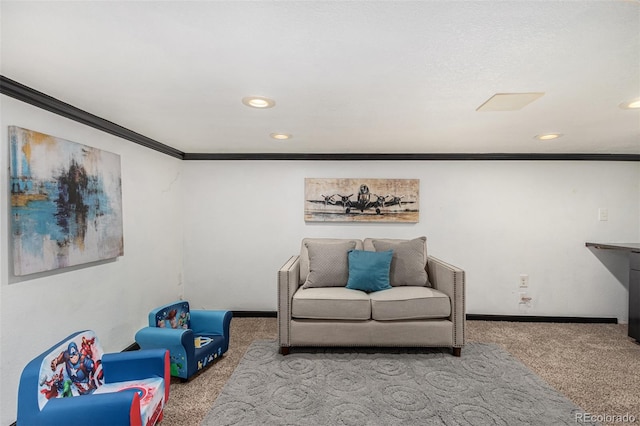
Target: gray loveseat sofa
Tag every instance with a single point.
(421, 305)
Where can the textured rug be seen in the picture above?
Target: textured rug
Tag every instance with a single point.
(486, 386)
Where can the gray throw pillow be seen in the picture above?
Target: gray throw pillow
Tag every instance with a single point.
(408, 262)
(328, 264)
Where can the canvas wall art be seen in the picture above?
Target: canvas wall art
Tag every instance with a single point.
(66, 203)
(361, 200)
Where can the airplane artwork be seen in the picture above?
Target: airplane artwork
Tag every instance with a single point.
(361, 199)
(365, 200)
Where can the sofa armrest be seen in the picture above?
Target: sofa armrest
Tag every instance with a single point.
(175, 340)
(211, 322)
(135, 365)
(204, 322)
(138, 365)
(288, 283)
(450, 280)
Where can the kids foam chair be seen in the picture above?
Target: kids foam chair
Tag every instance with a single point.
(75, 382)
(194, 338)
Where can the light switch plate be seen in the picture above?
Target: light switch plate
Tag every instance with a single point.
(603, 215)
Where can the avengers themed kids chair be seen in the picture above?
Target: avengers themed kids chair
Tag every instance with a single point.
(74, 381)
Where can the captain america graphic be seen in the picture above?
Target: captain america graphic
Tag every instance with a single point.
(80, 368)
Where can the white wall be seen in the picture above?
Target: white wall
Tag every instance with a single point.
(496, 220)
(112, 298)
(230, 225)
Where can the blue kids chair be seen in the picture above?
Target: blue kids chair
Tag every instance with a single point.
(74, 382)
(194, 338)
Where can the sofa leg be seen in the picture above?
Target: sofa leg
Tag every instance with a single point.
(284, 350)
(457, 351)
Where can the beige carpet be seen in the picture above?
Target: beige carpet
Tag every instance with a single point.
(595, 365)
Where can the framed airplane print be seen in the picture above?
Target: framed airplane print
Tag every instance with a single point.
(361, 200)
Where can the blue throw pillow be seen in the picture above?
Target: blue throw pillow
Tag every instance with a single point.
(369, 270)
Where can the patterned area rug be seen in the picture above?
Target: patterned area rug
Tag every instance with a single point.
(486, 386)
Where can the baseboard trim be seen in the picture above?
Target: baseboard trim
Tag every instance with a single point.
(132, 347)
(535, 318)
(255, 314)
(472, 317)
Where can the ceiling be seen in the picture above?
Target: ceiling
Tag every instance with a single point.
(346, 76)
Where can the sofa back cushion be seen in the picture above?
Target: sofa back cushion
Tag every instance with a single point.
(408, 265)
(175, 315)
(73, 368)
(324, 251)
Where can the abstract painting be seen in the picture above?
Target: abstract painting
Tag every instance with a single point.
(66, 203)
(361, 200)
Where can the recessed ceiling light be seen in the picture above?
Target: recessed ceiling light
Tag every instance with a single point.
(548, 136)
(281, 136)
(258, 102)
(633, 104)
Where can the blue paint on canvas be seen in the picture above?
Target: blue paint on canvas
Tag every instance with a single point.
(66, 203)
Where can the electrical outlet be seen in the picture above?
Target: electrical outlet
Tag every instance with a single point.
(524, 280)
(525, 299)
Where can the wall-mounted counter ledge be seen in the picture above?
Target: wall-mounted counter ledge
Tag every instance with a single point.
(632, 247)
(634, 281)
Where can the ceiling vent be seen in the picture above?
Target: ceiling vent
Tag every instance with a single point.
(509, 101)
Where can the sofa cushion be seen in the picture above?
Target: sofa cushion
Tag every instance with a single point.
(328, 263)
(409, 302)
(369, 270)
(337, 303)
(150, 391)
(409, 260)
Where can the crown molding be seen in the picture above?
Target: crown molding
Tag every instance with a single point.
(409, 157)
(41, 100)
